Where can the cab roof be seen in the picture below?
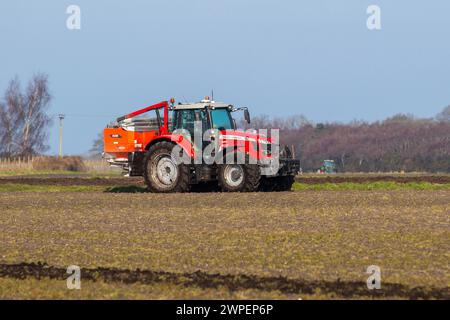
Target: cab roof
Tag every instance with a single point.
(201, 105)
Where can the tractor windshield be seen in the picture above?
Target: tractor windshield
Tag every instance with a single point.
(221, 119)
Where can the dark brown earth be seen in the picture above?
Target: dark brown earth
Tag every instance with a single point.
(201, 279)
(74, 181)
(126, 181)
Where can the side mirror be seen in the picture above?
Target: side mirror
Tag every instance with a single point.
(247, 115)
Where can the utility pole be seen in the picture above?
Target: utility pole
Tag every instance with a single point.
(61, 118)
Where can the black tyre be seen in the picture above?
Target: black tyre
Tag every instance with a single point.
(162, 173)
(239, 177)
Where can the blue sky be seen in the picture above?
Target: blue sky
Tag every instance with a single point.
(279, 58)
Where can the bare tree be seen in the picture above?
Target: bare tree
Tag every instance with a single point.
(34, 117)
(10, 111)
(23, 118)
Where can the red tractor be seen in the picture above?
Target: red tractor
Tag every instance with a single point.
(187, 145)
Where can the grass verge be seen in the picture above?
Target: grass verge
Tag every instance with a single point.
(20, 172)
(381, 185)
(29, 172)
(13, 187)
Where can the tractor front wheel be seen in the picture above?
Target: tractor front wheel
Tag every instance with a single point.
(162, 173)
(239, 177)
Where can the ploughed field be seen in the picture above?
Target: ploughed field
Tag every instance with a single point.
(306, 244)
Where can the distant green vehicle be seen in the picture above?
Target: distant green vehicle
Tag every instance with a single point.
(328, 167)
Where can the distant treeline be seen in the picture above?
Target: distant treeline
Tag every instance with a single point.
(402, 142)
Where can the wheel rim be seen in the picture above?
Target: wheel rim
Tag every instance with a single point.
(164, 170)
(233, 174)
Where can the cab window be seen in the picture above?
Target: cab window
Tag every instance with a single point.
(221, 119)
(185, 119)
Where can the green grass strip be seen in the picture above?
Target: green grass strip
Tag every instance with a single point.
(381, 185)
(13, 187)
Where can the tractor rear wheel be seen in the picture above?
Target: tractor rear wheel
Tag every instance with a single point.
(239, 177)
(162, 173)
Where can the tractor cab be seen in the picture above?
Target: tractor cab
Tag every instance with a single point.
(210, 114)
